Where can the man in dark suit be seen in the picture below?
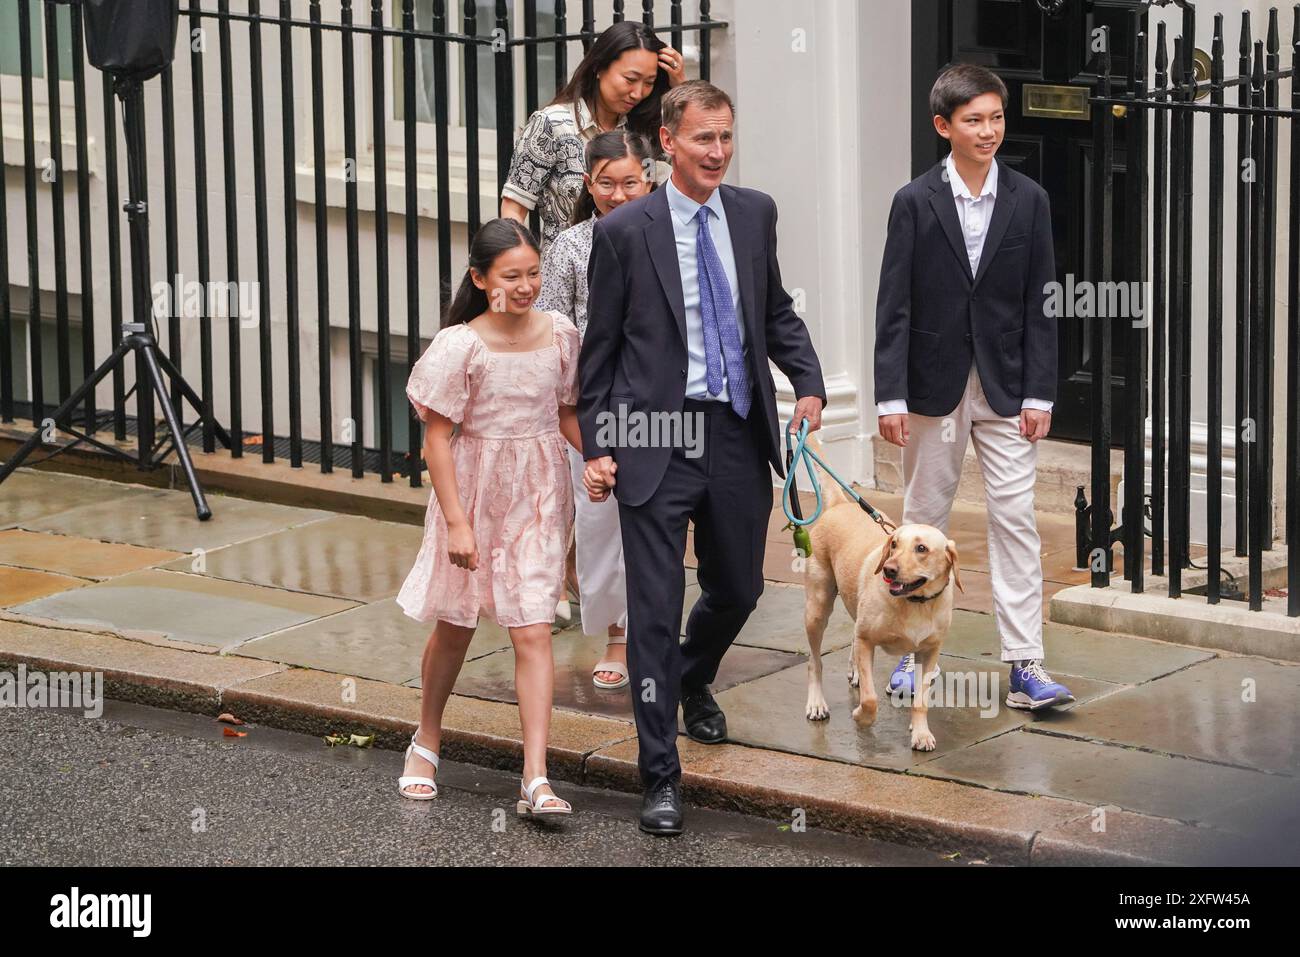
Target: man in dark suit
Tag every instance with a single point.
(966, 350)
(685, 308)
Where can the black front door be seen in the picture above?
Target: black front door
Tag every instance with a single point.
(1028, 45)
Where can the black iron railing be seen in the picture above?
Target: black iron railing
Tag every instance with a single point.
(393, 40)
(1163, 115)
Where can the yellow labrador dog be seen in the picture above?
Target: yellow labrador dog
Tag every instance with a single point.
(895, 587)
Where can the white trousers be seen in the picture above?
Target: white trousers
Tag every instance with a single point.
(602, 580)
(931, 470)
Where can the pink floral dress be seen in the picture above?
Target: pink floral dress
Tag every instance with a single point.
(512, 473)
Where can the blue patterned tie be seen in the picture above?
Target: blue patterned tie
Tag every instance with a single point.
(718, 312)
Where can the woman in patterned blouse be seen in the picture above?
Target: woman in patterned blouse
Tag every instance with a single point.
(617, 165)
(617, 86)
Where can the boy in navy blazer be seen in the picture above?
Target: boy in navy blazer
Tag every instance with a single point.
(966, 350)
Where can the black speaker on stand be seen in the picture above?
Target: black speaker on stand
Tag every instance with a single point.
(132, 41)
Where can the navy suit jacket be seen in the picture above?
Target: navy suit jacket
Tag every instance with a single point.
(933, 316)
(634, 350)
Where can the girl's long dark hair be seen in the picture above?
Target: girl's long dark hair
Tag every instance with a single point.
(609, 46)
(494, 238)
(611, 146)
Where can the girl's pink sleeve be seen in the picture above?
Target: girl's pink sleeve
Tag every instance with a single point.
(441, 377)
(570, 344)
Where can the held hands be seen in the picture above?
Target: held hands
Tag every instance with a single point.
(461, 548)
(1035, 424)
(598, 478)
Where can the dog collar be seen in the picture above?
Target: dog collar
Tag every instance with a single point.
(924, 598)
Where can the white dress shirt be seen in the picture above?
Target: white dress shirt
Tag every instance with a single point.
(975, 213)
(686, 230)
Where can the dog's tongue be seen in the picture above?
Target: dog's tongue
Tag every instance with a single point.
(896, 587)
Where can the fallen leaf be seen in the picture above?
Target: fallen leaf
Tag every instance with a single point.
(232, 733)
(362, 741)
(228, 718)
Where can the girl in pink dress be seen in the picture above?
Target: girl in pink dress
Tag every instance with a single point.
(497, 525)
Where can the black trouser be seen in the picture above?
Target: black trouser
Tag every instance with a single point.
(727, 493)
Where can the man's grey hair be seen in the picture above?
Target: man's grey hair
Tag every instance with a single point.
(700, 92)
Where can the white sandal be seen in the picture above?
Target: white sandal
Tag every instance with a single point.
(539, 807)
(407, 780)
(616, 667)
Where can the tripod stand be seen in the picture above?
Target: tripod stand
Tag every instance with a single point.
(138, 336)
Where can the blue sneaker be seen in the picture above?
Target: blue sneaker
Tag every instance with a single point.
(903, 680)
(1032, 688)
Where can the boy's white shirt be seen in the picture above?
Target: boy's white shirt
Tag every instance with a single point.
(975, 213)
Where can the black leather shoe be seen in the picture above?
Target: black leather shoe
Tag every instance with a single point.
(661, 810)
(704, 720)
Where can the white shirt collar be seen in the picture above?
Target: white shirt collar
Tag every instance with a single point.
(959, 187)
(686, 209)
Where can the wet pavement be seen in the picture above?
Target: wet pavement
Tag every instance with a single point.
(1159, 729)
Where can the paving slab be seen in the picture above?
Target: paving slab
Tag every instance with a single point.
(777, 621)
(976, 594)
(345, 556)
(779, 563)
(1101, 774)
(376, 641)
(1121, 659)
(493, 676)
(30, 494)
(165, 519)
(75, 556)
(1275, 803)
(185, 608)
(20, 585)
(769, 712)
(1058, 568)
(1201, 712)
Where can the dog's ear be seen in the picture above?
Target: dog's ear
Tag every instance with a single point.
(885, 549)
(951, 552)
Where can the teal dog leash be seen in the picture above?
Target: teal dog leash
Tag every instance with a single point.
(797, 452)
